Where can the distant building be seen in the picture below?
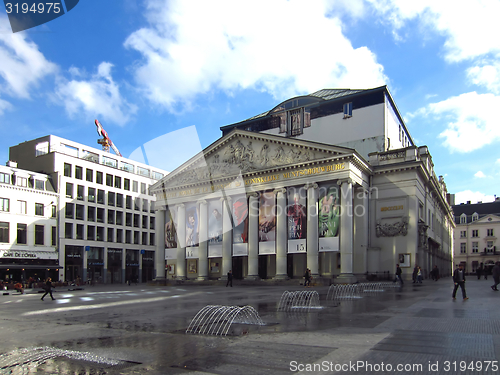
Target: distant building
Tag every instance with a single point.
(106, 214)
(28, 225)
(331, 181)
(475, 235)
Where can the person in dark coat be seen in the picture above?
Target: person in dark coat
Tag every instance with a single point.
(229, 278)
(415, 273)
(496, 276)
(307, 277)
(399, 272)
(48, 289)
(479, 271)
(459, 280)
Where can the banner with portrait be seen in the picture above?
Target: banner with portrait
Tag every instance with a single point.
(267, 216)
(329, 218)
(215, 221)
(170, 228)
(192, 225)
(296, 212)
(240, 219)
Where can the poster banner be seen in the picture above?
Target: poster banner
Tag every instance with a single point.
(296, 213)
(192, 225)
(267, 217)
(215, 221)
(240, 219)
(329, 211)
(170, 228)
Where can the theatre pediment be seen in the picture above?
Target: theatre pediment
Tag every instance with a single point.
(243, 152)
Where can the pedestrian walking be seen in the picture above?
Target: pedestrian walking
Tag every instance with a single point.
(459, 280)
(48, 289)
(307, 277)
(496, 276)
(419, 275)
(399, 272)
(479, 271)
(435, 273)
(414, 275)
(229, 278)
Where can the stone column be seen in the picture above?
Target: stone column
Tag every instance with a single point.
(181, 243)
(312, 228)
(281, 234)
(253, 237)
(105, 267)
(85, 257)
(160, 245)
(124, 266)
(203, 246)
(346, 232)
(227, 237)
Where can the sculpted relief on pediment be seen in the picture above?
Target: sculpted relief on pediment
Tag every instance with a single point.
(243, 156)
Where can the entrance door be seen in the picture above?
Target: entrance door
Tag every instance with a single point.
(263, 266)
(238, 268)
(73, 272)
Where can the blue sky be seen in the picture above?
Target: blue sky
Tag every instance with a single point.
(169, 74)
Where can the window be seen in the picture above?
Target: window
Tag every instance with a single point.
(90, 232)
(137, 219)
(489, 247)
(100, 215)
(137, 204)
(90, 213)
(128, 236)
(4, 204)
(68, 230)
(91, 194)
(90, 175)
(78, 172)
(39, 235)
(39, 185)
(489, 232)
(22, 181)
(98, 177)
(80, 212)
(128, 219)
(157, 175)
(54, 211)
(347, 110)
(152, 207)
(463, 248)
(79, 231)
(127, 167)
(128, 202)
(463, 219)
(111, 216)
(463, 234)
(151, 239)
(143, 188)
(119, 200)
(69, 190)
(54, 236)
(475, 216)
(80, 190)
(126, 184)
(118, 182)
(110, 162)
(144, 222)
(119, 218)
(111, 232)
(111, 199)
(67, 170)
(100, 196)
(22, 207)
(109, 180)
(5, 178)
(475, 233)
(144, 205)
(151, 222)
(38, 209)
(100, 234)
(136, 237)
(135, 186)
(143, 171)
(144, 238)
(22, 234)
(4, 232)
(41, 149)
(119, 235)
(70, 211)
(475, 247)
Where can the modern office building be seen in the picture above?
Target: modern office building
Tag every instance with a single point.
(106, 214)
(28, 225)
(475, 235)
(331, 181)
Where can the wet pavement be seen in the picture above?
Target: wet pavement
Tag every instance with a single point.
(138, 329)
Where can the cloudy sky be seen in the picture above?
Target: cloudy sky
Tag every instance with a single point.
(164, 75)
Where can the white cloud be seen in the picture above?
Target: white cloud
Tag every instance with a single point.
(479, 174)
(471, 120)
(99, 96)
(467, 25)
(487, 75)
(4, 105)
(290, 48)
(22, 65)
(472, 196)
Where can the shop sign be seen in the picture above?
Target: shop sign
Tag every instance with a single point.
(23, 254)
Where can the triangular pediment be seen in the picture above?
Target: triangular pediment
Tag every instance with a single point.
(241, 152)
(489, 219)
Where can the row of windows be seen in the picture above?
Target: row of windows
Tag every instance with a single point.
(101, 178)
(489, 249)
(22, 207)
(463, 218)
(22, 181)
(475, 233)
(22, 234)
(97, 234)
(113, 217)
(114, 199)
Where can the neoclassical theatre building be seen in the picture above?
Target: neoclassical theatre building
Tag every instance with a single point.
(331, 181)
